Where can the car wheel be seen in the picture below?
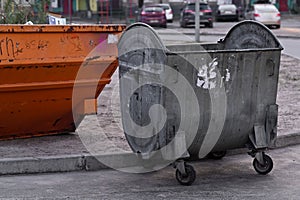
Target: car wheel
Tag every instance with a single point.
(182, 25)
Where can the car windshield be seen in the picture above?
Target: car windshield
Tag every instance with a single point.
(165, 7)
(202, 7)
(228, 7)
(153, 9)
(266, 8)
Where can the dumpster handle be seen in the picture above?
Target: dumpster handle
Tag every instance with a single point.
(270, 67)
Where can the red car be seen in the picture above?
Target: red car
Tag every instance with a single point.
(154, 16)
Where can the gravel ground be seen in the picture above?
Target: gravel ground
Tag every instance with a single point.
(103, 134)
(288, 97)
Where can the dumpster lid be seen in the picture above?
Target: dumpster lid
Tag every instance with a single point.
(250, 34)
(139, 36)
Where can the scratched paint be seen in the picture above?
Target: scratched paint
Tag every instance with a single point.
(37, 44)
(9, 48)
(74, 40)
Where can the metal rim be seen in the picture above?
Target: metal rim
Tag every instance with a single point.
(263, 169)
(189, 178)
(230, 41)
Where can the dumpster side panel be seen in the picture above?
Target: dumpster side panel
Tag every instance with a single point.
(38, 70)
(253, 90)
(250, 83)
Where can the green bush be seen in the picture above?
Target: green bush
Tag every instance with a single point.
(20, 14)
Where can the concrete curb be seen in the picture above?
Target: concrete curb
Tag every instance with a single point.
(87, 162)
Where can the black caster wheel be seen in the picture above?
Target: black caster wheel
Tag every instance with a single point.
(266, 167)
(189, 178)
(217, 155)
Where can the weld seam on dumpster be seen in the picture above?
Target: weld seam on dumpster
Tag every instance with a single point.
(15, 29)
(50, 85)
(225, 51)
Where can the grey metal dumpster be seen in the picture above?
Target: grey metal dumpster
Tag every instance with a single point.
(193, 100)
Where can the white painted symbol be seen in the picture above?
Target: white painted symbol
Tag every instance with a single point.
(207, 76)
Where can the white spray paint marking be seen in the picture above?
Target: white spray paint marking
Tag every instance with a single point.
(207, 76)
(227, 75)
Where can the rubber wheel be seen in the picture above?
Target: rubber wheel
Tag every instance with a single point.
(217, 155)
(182, 25)
(263, 169)
(189, 178)
(210, 25)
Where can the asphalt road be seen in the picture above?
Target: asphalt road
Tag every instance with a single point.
(230, 178)
(291, 45)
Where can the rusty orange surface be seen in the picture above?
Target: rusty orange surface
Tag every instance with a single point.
(39, 65)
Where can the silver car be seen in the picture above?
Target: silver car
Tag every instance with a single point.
(267, 14)
(227, 12)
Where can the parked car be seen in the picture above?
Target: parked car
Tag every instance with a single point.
(228, 12)
(168, 11)
(267, 14)
(187, 15)
(154, 16)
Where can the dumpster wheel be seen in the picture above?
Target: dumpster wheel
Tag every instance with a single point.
(188, 178)
(263, 168)
(217, 155)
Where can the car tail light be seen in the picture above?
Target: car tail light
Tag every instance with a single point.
(189, 11)
(171, 12)
(278, 15)
(256, 15)
(143, 13)
(206, 11)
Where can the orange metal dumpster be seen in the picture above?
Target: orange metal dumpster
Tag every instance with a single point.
(38, 68)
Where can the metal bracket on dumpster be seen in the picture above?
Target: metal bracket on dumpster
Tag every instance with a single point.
(180, 165)
(90, 106)
(260, 157)
(259, 137)
(264, 135)
(271, 123)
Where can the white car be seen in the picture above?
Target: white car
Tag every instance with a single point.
(267, 14)
(168, 10)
